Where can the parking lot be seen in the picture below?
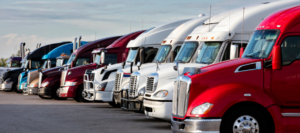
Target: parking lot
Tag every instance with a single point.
(30, 114)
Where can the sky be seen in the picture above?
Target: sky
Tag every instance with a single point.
(51, 21)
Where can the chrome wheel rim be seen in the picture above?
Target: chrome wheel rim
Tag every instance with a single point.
(245, 124)
(57, 92)
(84, 95)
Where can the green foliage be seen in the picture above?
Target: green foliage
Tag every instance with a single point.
(2, 62)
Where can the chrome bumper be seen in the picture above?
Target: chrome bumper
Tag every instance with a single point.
(196, 126)
(131, 104)
(89, 90)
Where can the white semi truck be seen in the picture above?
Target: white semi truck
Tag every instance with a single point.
(100, 85)
(220, 44)
(167, 53)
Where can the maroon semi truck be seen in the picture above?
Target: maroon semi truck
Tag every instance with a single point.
(49, 81)
(72, 79)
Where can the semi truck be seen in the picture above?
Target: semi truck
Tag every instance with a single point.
(120, 51)
(144, 49)
(114, 53)
(169, 49)
(33, 61)
(50, 61)
(49, 80)
(256, 93)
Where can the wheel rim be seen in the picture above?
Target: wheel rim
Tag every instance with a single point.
(84, 95)
(57, 92)
(245, 124)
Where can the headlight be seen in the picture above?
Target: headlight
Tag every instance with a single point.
(44, 84)
(126, 86)
(70, 83)
(102, 86)
(33, 85)
(161, 94)
(141, 92)
(69, 73)
(202, 109)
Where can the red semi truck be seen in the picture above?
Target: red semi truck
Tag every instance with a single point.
(256, 93)
(49, 81)
(72, 79)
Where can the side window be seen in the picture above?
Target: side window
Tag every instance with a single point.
(111, 59)
(35, 64)
(82, 61)
(176, 50)
(150, 54)
(53, 63)
(290, 49)
(226, 55)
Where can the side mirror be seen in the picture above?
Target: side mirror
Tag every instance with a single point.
(72, 64)
(123, 64)
(49, 64)
(175, 66)
(138, 65)
(234, 51)
(276, 62)
(131, 64)
(102, 60)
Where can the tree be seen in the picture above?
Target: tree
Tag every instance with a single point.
(3, 61)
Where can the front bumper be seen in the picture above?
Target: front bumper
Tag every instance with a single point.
(32, 90)
(103, 96)
(131, 104)
(158, 109)
(45, 92)
(196, 126)
(6, 86)
(89, 90)
(67, 91)
(117, 96)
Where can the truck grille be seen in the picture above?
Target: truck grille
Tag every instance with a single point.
(118, 80)
(181, 96)
(92, 77)
(63, 78)
(19, 80)
(152, 82)
(40, 79)
(133, 83)
(28, 78)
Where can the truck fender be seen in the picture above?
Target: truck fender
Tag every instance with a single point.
(225, 96)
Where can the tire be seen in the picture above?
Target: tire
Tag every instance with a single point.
(249, 117)
(113, 104)
(76, 99)
(79, 94)
(55, 93)
(15, 88)
(44, 97)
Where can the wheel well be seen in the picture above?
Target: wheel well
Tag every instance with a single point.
(255, 105)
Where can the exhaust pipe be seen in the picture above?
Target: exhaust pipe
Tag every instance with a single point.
(37, 45)
(74, 44)
(22, 49)
(40, 45)
(79, 42)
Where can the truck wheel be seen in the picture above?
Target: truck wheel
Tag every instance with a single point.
(76, 99)
(43, 97)
(55, 93)
(113, 104)
(245, 120)
(80, 94)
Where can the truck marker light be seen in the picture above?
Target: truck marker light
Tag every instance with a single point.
(212, 37)
(171, 41)
(278, 26)
(188, 38)
(164, 41)
(197, 37)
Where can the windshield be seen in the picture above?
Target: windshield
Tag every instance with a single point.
(132, 54)
(97, 58)
(209, 52)
(186, 52)
(162, 53)
(72, 58)
(261, 44)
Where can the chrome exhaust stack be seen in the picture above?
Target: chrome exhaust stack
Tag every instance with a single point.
(22, 49)
(74, 44)
(79, 42)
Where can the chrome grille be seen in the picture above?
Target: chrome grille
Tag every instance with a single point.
(118, 80)
(92, 77)
(63, 78)
(40, 79)
(150, 84)
(181, 96)
(133, 84)
(19, 80)
(28, 78)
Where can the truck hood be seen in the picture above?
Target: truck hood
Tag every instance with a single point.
(135, 68)
(52, 71)
(79, 71)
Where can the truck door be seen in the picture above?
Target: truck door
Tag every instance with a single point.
(285, 83)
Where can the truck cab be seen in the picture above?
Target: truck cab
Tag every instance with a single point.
(72, 76)
(11, 64)
(33, 61)
(50, 61)
(144, 48)
(256, 93)
(112, 55)
(166, 55)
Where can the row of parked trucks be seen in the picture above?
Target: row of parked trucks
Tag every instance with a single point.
(237, 71)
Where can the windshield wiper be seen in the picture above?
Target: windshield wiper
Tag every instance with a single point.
(204, 62)
(251, 56)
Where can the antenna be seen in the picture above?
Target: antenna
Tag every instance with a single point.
(229, 20)
(95, 35)
(130, 31)
(209, 17)
(243, 27)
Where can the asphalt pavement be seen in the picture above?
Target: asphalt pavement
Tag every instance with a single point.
(31, 114)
